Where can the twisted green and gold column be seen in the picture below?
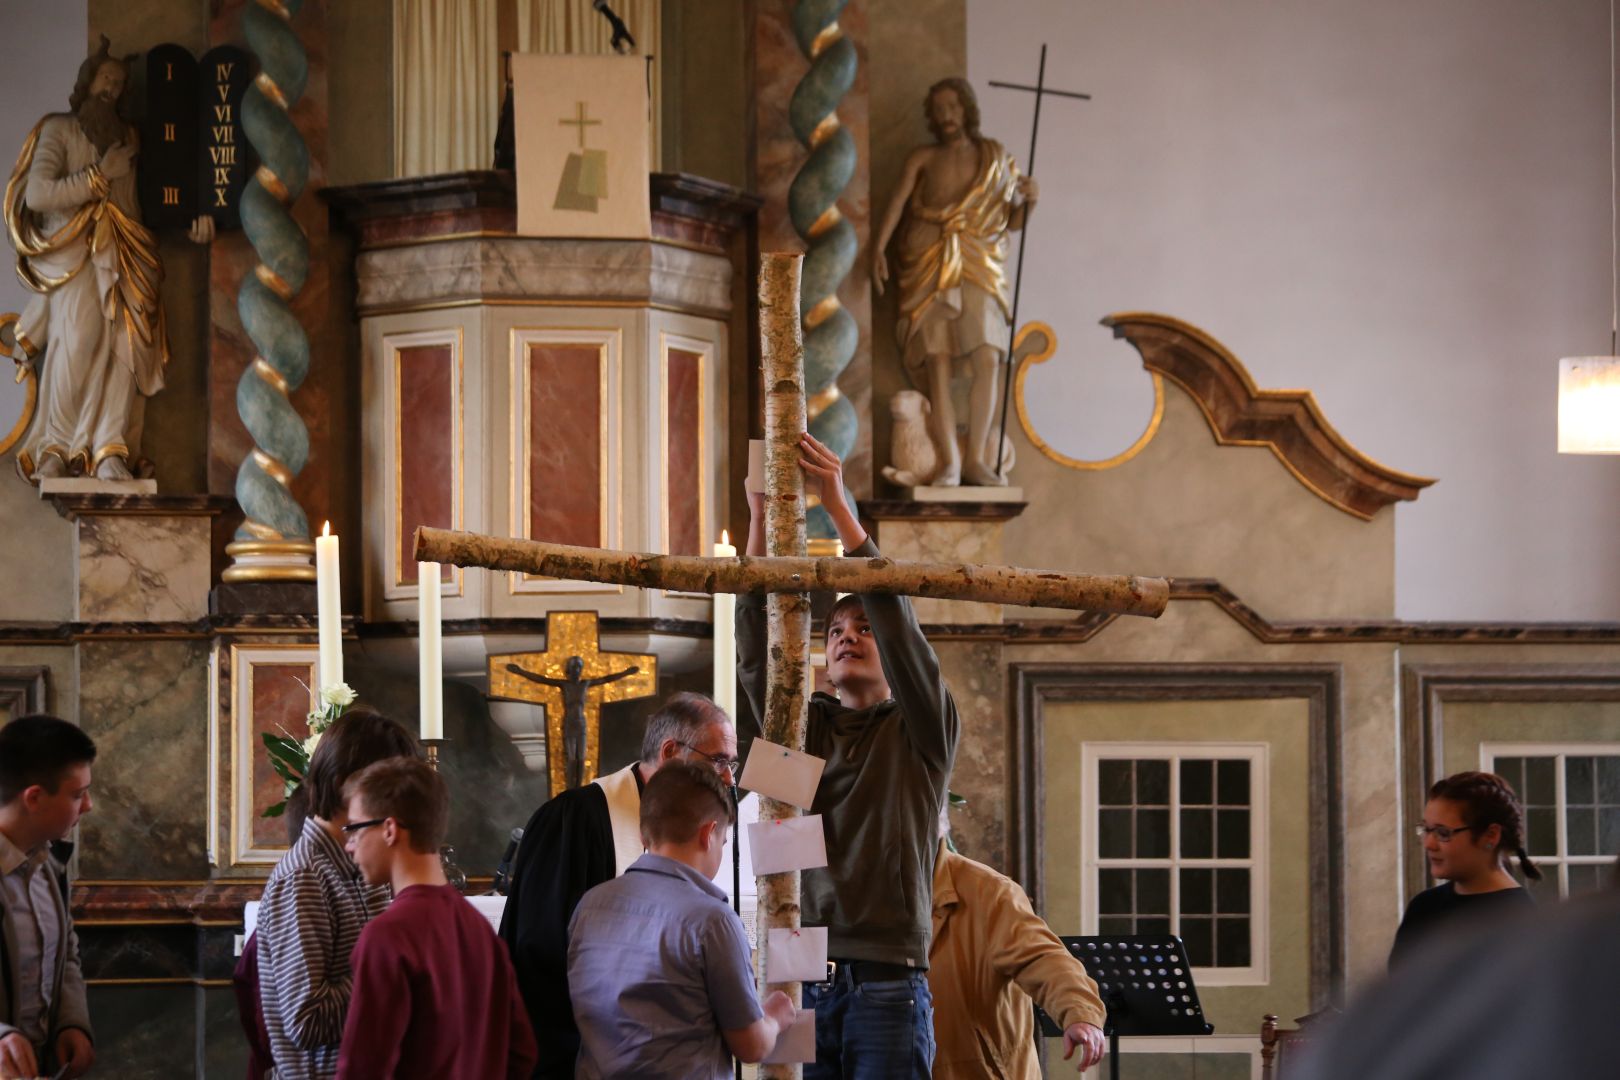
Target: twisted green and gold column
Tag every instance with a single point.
(275, 524)
(830, 333)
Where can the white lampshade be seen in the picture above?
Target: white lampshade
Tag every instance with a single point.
(1589, 405)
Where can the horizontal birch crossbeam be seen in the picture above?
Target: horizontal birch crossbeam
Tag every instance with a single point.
(1113, 593)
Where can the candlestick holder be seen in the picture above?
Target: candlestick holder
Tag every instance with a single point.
(453, 874)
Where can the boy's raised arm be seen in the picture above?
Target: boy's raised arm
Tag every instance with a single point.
(909, 663)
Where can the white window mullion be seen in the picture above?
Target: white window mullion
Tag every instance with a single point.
(1560, 800)
(1175, 845)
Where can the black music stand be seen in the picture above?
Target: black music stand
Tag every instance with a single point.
(1145, 983)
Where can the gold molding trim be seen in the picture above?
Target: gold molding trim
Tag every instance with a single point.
(1289, 423)
(1039, 354)
(297, 566)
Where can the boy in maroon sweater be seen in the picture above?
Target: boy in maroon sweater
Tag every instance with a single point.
(434, 994)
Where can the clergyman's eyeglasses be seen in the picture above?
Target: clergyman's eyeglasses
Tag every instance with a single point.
(720, 762)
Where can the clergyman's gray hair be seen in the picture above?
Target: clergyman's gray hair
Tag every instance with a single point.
(682, 718)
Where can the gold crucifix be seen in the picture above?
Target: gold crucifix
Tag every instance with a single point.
(580, 122)
(572, 678)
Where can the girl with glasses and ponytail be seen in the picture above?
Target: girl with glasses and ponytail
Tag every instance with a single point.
(1472, 823)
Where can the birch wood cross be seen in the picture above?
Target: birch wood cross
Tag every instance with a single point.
(1116, 593)
(788, 577)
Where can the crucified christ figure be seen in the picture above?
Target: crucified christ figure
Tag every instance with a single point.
(574, 687)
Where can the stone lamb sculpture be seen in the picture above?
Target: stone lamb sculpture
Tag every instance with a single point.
(911, 447)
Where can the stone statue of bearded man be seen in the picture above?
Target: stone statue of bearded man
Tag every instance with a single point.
(959, 198)
(95, 324)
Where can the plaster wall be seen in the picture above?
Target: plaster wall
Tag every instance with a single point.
(1403, 208)
(1185, 507)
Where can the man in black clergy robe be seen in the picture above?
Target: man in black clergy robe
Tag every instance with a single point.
(581, 838)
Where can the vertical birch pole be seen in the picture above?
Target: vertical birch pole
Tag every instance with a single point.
(787, 615)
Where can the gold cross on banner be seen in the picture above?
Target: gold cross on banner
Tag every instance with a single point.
(572, 678)
(580, 122)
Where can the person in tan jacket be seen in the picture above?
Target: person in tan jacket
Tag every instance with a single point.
(989, 955)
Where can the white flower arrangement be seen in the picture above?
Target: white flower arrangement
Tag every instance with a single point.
(289, 756)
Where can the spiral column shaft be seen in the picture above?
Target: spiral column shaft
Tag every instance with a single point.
(280, 438)
(830, 332)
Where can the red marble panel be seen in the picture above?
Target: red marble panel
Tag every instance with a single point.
(426, 449)
(280, 703)
(566, 429)
(683, 452)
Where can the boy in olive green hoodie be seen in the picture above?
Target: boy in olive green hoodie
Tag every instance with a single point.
(889, 740)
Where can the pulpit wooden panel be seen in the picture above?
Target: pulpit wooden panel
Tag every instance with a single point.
(427, 446)
(685, 466)
(567, 432)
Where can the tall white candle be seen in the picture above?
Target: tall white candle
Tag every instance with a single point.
(329, 594)
(431, 670)
(725, 638)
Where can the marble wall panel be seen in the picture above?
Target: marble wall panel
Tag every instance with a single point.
(974, 673)
(521, 268)
(145, 703)
(137, 952)
(491, 791)
(145, 1032)
(565, 432)
(224, 1047)
(684, 436)
(426, 447)
(143, 568)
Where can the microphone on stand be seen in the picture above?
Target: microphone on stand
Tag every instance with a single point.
(622, 41)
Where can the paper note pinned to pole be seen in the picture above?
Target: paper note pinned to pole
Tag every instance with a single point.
(782, 773)
(781, 845)
(796, 955)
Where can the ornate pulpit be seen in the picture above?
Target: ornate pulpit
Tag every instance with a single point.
(574, 390)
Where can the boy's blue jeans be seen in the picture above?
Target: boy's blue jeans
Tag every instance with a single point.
(880, 1030)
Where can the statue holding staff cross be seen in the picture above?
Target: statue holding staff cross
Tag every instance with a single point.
(956, 204)
(1040, 90)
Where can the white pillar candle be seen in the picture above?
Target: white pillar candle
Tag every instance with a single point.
(725, 638)
(329, 594)
(431, 669)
